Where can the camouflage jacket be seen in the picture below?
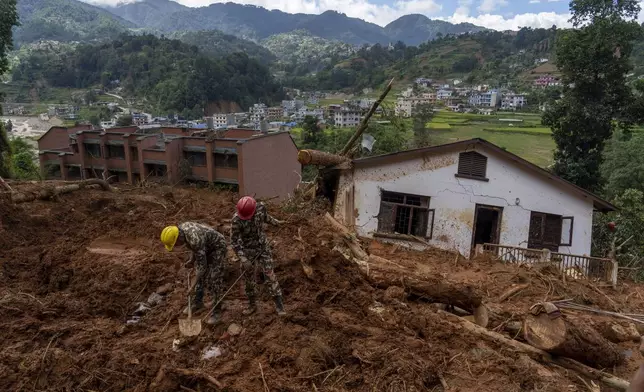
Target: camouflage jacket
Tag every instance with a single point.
(248, 235)
(202, 240)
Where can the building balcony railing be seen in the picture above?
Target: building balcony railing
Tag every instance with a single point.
(572, 266)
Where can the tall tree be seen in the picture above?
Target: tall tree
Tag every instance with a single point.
(422, 114)
(8, 19)
(594, 60)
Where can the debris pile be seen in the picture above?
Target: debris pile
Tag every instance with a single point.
(73, 271)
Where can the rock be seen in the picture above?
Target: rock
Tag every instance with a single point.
(154, 299)
(212, 352)
(618, 333)
(631, 330)
(234, 329)
(165, 289)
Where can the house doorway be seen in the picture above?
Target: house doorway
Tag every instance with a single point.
(487, 225)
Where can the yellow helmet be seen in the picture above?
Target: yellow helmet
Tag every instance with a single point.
(169, 237)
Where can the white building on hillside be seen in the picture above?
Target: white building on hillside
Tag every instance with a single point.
(405, 106)
(258, 112)
(491, 99)
(442, 95)
(463, 194)
(347, 118)
(513, 101)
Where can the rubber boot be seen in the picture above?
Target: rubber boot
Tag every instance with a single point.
(279, 305)
(252, 307)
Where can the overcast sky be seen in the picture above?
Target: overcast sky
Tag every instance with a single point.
(494, 14)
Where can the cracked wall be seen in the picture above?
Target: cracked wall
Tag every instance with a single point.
(454, 199)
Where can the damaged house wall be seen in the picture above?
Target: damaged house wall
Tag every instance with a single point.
(453, 200)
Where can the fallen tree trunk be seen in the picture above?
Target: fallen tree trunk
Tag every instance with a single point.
(428, 288)
(49, 192)
(320, 158)
(564, 338)
(539, 355)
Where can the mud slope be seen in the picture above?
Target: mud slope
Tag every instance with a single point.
(72, 272)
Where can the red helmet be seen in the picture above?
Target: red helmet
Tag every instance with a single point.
(246, 207)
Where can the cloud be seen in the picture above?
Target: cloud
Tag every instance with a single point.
(382, 14)
(498, 22)
(491, 5)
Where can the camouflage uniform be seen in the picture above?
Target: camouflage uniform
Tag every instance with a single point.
(250, 243)
(208, 248)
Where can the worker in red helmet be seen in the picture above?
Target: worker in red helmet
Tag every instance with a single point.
(249, 242)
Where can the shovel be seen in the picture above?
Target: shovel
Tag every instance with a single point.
(190, 326)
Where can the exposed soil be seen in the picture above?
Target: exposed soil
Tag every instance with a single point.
(72, 272)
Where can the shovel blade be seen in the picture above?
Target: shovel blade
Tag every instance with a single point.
(190, 327)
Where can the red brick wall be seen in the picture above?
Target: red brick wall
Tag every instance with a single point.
(239, 133)
(57, 138)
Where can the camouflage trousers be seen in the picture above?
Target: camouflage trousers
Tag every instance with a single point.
(260, 259)
(211, 278)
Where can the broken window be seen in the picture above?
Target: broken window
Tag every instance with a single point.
(472, 165)
(405, 214)
(226, 160)
(549, 231)
(115, 151)
(195, 158)
(93, 150)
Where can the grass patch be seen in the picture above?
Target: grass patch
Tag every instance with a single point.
(533, 147)
(528, 130)
(438, 125)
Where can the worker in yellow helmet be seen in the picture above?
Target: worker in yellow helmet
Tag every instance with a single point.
(208, 248)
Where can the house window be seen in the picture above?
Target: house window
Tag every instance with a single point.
(93, 150)
(549, 231)
(226, 160)
(155, 170)
(405, 214)
(195, 158)
(117, 152)
(472, 165)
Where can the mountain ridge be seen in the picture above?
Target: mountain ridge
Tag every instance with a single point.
(257, 23)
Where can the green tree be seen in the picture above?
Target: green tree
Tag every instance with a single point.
(9, 126)
(594, 60)
(124, 121)
(310, 131)
(23, 160)
(623, 166)
(8, 19)
(90, 96)
(422, 114)
(629, 221)
(5, 153)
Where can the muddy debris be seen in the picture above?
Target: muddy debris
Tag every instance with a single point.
(73, 270)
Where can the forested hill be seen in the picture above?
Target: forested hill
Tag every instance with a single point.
(489, 57)
(218, 44)
(169, 74)
(65, 20)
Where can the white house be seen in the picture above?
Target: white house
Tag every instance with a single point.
(347, 117)
(470, 192)
(513, 101)
(491, 98)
